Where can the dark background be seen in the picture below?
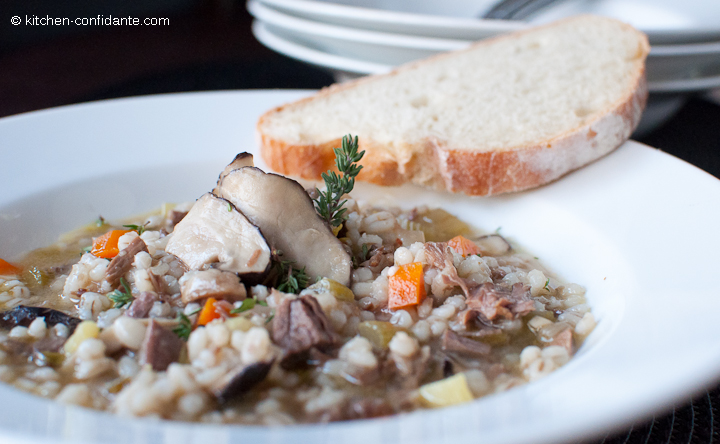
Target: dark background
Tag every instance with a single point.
(208, 46)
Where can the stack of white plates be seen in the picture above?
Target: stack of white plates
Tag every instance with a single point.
(359, 37)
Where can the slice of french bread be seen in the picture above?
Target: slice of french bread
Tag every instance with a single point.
(504, 115)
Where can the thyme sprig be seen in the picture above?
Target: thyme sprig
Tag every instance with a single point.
(248, 304)
(139, 228)
(290, 278)
(329, 204)
(123, 297)
(184, 327)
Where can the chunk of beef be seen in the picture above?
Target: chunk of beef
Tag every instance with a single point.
(159, 284)
(452, 342)
(160, 348)
(23, 315)
(380, 258)
(495, 301)
(50, 343)
(241, 380)
(565, 339)
(142, 304)
(177, 216)
(407, 372)
(439, 256)
(122, 263)
(300, 325)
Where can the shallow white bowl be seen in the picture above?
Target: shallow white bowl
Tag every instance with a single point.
(665, 21)
(637, 228)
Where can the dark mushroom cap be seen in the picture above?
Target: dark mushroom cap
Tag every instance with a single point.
(286, 215)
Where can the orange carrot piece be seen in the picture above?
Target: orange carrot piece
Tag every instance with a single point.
(106, 246)
(407, 286)
(6, 268)
(208, 312)
(464, 246)
(214, 309)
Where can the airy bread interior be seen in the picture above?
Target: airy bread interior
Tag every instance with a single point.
(510, 92)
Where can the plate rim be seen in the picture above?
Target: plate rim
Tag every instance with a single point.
(278, 94)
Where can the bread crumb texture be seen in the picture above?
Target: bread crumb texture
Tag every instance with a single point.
(506, 114)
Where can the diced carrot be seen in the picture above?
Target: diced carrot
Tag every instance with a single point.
(214, 309)
(464, 246)
(208, 313)
(6, 268)
(407, 286)
(106, 246)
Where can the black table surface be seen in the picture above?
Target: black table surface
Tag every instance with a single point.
(212, 49)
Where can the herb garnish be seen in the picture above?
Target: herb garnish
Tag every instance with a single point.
(546, 284)
(100, 221)
(139, 228)
(328, 204)
(365, 250)
(122, 298)
(184, 327)
(248, 304)
(290, 279)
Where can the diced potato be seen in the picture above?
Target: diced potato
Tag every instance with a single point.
(84, 330)
(239, 323)
(446, 392)
(341, 292)
(379, 333)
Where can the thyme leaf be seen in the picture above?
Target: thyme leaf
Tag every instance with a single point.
(123, 297)
(329, 204)
(290, 279)
(139, 228)
(247, 304)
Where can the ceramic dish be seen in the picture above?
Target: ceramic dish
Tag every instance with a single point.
(637, 228)
(378, 16)
(665, 21)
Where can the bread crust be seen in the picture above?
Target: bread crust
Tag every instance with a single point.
(432, 163)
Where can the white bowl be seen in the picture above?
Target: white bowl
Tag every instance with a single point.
(637, 228)
(453, 22)
(665, 21)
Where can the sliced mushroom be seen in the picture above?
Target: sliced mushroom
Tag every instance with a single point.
(196, 285)
(23, 315)
(241, 380)
(215, 233)
(493, 245)
(286, 215)
(241, 160)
